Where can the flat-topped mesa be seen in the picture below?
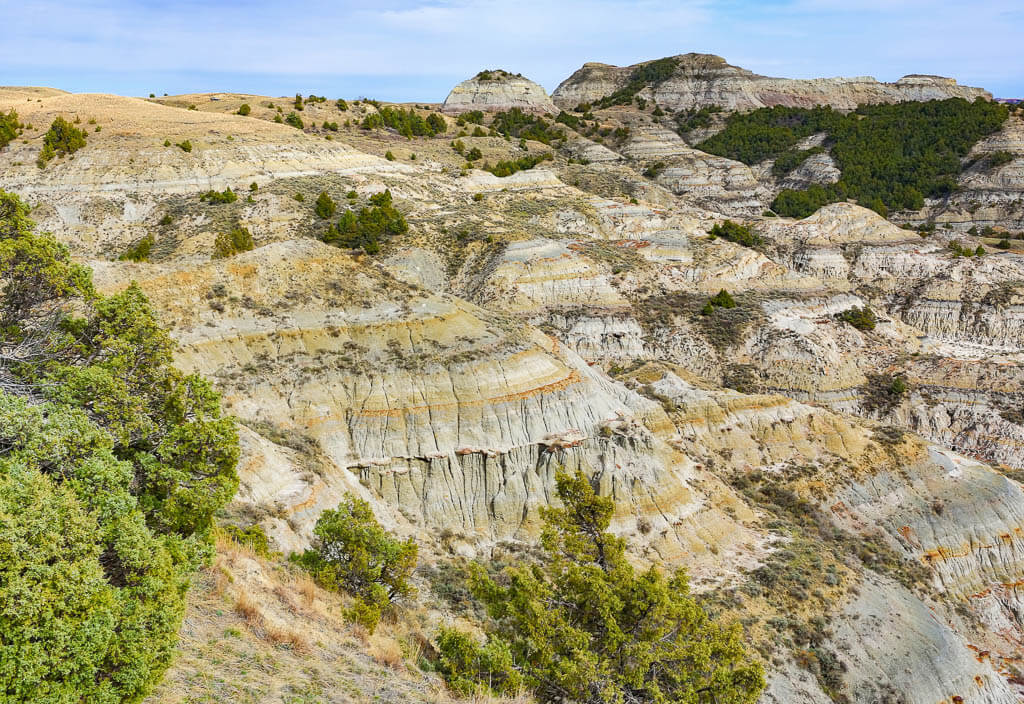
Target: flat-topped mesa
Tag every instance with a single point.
(494, 90)
(697, 80)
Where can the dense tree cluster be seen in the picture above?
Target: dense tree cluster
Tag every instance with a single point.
(408, 123)
(368, 227)
(352, 553)
(112, 465)
(891, 156)
(521, 125)
(472, 117)
(507, 168)
(734, 232)
(653, 74)
(582, 625)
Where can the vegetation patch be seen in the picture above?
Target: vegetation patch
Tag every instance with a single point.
(523, 163)
(369, 227)
(734, 232)
(228, 244)
(112, 467)
(891, 156)
(861, 318)
(651, 74)
(352, 553)
(582, 625)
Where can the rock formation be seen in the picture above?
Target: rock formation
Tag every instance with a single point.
(703, 79)
(497, 90)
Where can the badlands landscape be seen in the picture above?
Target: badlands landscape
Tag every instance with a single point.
(802, 385)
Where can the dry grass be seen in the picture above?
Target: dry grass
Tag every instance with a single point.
(247, 608)
(386, 650)
(281, 635)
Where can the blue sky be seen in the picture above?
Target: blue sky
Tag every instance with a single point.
(416, 50)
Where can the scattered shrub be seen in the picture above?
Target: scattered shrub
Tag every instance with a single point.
(139, 252)
(389, 156)
(325, 207)
(244, 109)
(9, 126)
(294, 120)
(61, 139)
(218, 197)
(228, 244)
(860, 318)
(352, 553)
(185, 146)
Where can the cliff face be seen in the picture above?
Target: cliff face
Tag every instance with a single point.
(702, 79)
(498, 90)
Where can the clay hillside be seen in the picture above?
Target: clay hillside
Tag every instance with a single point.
(789, 358)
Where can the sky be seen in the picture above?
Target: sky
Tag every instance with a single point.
(416, 50)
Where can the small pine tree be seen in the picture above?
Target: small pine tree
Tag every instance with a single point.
(723, 299)
(353, 553)
(324, 207)
(244, 110)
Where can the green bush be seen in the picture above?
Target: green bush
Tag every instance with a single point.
(219, 197)
(341, 105)
(185, 146)
(368, 227)
(473, 117)
(1004, 244)
(860, 318)
(299, 104)
(139, 252)
(459, 147)
(582, 625)
(9, 126)
(294, 120)
(352, 553)
(507, 168)
(325, 207)
(389, 156)
(112, 468)
(244, 110)
(734, 232)
(63, 137)
(474, 154)
(228, 244)
(722, 299)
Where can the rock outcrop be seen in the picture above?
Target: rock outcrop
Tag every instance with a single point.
(498, 90)
(704, 79)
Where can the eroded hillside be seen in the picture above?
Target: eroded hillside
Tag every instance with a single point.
(831, 449)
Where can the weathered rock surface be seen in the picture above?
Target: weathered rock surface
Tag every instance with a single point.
(704, 79)
(498, 90)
